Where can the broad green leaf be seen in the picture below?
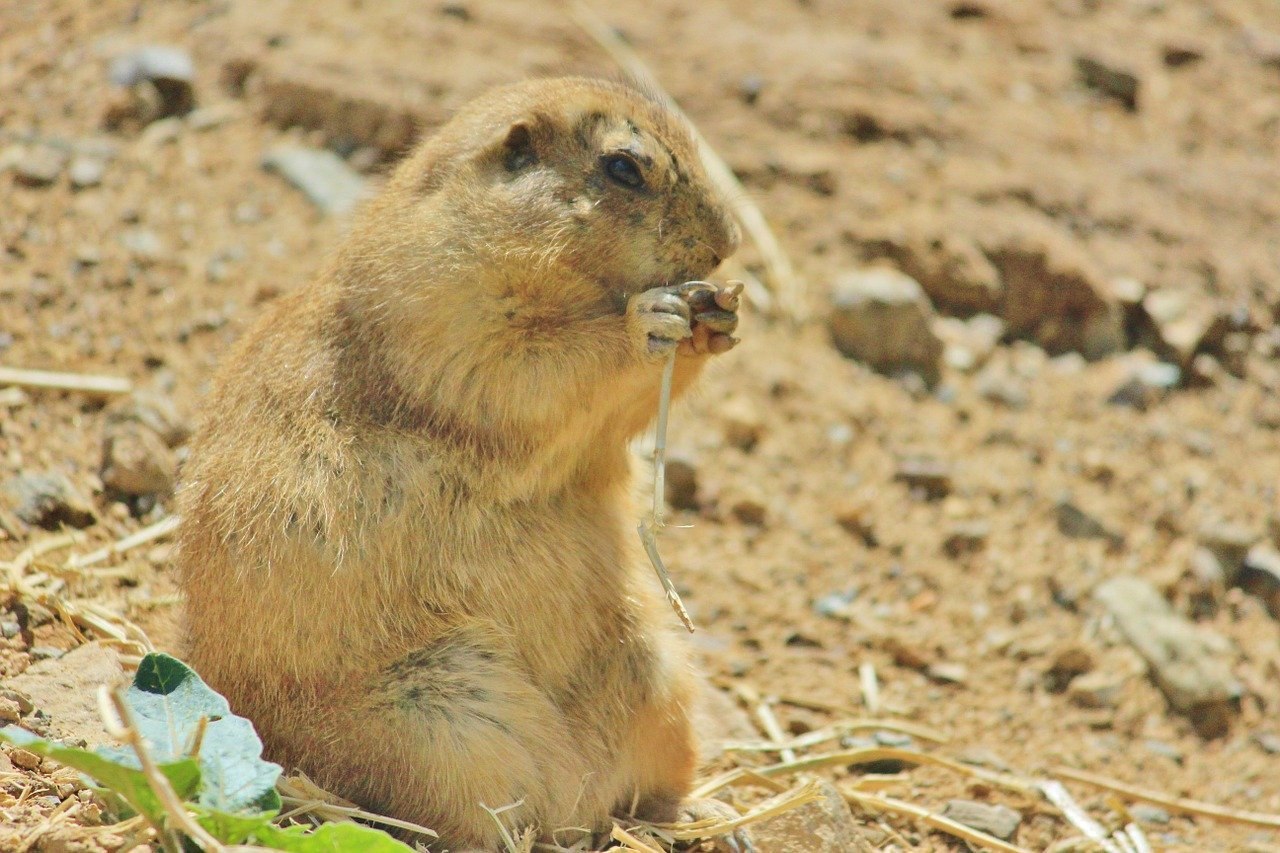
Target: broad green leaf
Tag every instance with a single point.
(168, 701)
(328, 838)
(126, 782)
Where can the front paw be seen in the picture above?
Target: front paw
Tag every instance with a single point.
(659, 319)
(715, 316)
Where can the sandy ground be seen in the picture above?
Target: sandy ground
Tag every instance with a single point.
(976, 145)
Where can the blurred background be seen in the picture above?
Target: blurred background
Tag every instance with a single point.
(1002, 460)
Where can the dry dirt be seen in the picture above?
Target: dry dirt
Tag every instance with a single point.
(959, 134)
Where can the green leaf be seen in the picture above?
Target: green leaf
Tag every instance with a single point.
(168, 701)
(127, 782)
(329, 838)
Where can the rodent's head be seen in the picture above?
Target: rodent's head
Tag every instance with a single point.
(591, 178)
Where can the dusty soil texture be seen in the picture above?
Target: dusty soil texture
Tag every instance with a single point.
(1101, 177)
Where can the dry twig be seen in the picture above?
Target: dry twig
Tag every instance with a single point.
(57, 381)
(1177, 804)
(875, 802)
(650, 527)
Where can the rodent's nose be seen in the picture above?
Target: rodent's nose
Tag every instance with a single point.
(723, 235)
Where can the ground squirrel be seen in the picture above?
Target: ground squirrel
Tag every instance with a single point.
(408, 545)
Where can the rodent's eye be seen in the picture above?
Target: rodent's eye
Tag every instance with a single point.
(621, 169)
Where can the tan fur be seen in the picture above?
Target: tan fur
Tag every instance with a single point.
(408, 548)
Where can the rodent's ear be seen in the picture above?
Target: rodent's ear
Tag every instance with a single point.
(518, 149)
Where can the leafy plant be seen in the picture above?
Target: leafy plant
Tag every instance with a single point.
(211, 758)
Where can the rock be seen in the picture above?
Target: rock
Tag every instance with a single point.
(1148, 384)
(1260, 576)
(144, 244)
(881, 317)
(1147, 813)
(136, 461)
(1164, 750)
(1229, 544)
(65, 690)
(749, 510)
(906, 654)
(322, 176)
(86, 172)
(9, 711)
(18, 698)
(681, 482)
(153, 411)
(1178, 55)
(1095, 690)
(967, 537)
(1078, 524)
(25, 760)
(1262, 45)
(1068, 663)
(969, 343)
(1185, 663)
(45, 652)
(1054, 294)
(948, 673)
(950, 268)
(1208, 581)
(997, 820)
(824, 826)
(931, 478)
(835, 605)
(47, 500)
(39, 166)
(743, 426)
(856, 520)
(996, 383)
(1109, 79)
(168, 69)
(1268, 742)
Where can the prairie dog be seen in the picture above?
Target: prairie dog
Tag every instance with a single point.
(408, 546)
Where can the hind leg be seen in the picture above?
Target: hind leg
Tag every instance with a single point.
(445, 732)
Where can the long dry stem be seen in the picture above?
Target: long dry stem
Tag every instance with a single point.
(1177, 804)
(649, 527)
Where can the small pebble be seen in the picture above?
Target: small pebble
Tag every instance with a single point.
(86, 172)
(1147, 813)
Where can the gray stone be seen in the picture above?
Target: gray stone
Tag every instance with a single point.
(881, 317)
(930, 477)
(136, 461)
(1075, 523)
(966, 537)
(86, 172)
(1056, 295)
(169, 69)
(47, 500)
(999, 821)
(40, 166)
(1260, 576)
(1095, 690)
(153, 411)
(322, 176)
(1147, 813)
(144, 244)
(65, 689)
(824, 826)
(1187, 664)
(1108, 78)
(1229, 544)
